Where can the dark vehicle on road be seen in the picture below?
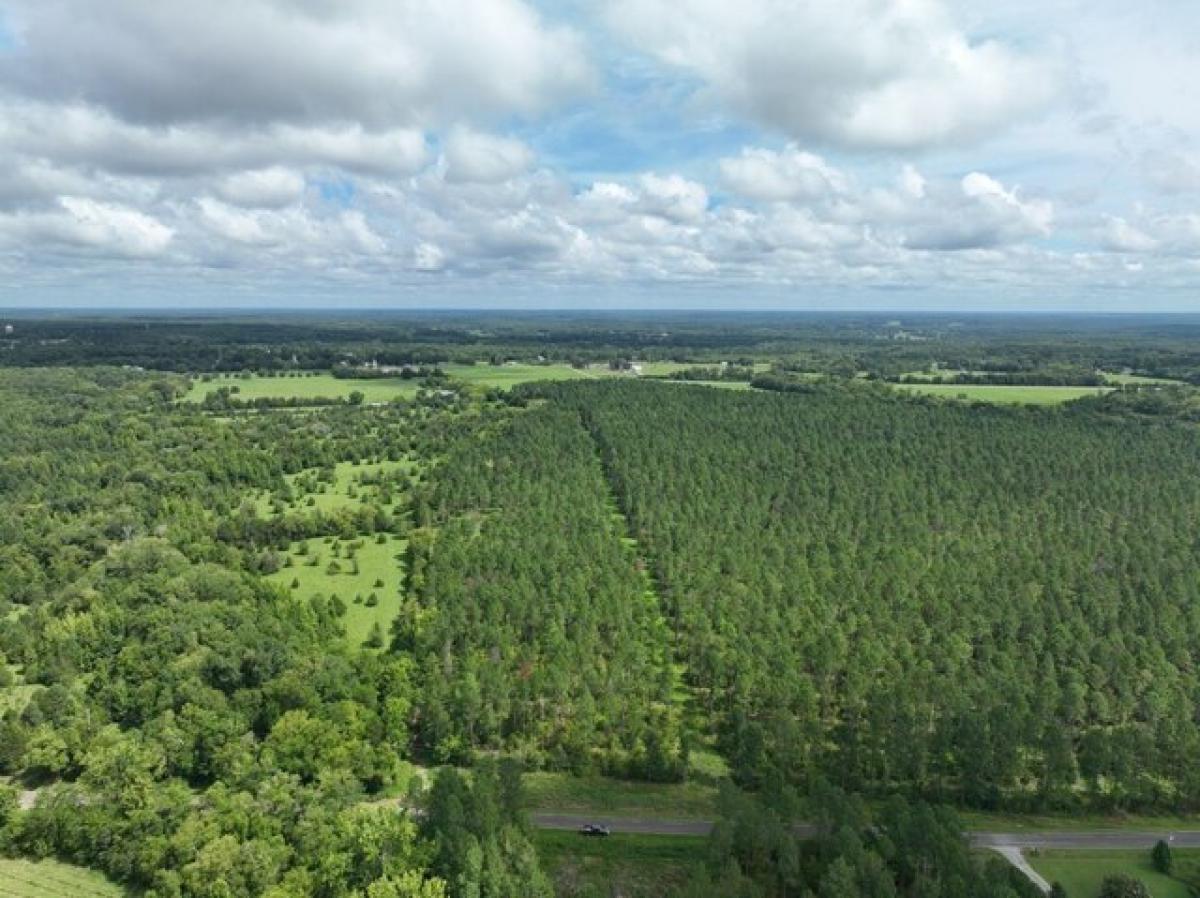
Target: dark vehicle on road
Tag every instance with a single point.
(594, 829)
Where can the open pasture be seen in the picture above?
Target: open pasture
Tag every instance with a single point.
(1003, 394)
(304, 385)
(326, 566)
(513, 373)
(350, 485)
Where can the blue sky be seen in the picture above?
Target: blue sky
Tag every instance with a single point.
(902, 154)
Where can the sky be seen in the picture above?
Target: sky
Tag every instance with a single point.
(765, 154)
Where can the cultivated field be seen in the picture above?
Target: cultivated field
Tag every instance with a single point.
(354, 571)
(1003, 394)
(50, 879)
(1082, 872)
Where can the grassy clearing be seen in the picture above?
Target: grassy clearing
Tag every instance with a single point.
(1137, 379)
(634, 866)
(377, 563)
(1002, 394)
(50, 879)
(305, 386)
(16, 697)
(662, 369)
(1082, 872)
(313, 385)
(346, 490)
(509, 375)
(1015, 823)
(505, 376)
(720, 384)
(562, 792)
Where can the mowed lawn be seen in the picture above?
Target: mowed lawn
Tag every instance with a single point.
(634, 866)
(377, 562)
(50, 879)
(1082, 872)
(1002, 394)
(306, 386)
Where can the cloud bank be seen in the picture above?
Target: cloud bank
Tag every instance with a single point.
(372, 145)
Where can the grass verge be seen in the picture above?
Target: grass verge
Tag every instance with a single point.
(1082, 872)
(562, 792)
(51, 879)
(634, 866)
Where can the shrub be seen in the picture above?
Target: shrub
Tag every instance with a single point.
(1161, 856)
(1121, 885)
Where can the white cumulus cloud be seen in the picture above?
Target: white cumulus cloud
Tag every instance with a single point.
(472, 156)
(862, 73)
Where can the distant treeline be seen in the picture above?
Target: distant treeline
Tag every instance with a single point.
(1158, 346)
(1010, 379)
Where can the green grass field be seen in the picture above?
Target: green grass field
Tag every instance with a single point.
(346, 490)
(1082, 872)
(504, 376)
(315, 386)
(376, 562)
(511, 374)
(310, 385)
(633, 866)
(618, 798)
(1137, 379)
(50, 879)
(719, 384)
(1001, 394)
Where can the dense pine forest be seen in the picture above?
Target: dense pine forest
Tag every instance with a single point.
(974, 603)
(533, 629)
(299, 647)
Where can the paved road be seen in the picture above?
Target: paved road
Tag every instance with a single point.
(1015, 857)
(1115, 839)
(1110, 839)
(658, 826)
(1010, 846)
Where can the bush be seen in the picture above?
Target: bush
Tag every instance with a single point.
(375, 639)
(1121, 885)
(1161, 856)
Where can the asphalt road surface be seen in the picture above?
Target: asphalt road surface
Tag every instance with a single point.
(1115, 839)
